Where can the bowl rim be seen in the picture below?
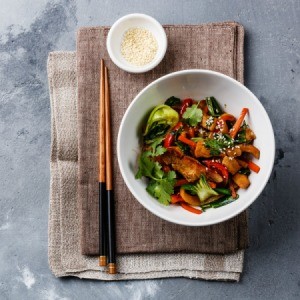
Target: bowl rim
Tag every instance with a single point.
(151, 65)
(235, 212)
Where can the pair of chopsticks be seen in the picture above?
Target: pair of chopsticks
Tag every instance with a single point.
(106, 199)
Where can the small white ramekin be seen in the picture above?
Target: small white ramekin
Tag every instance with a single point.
(115, 37)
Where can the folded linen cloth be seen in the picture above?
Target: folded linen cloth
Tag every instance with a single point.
(217, 47)
(65, 258)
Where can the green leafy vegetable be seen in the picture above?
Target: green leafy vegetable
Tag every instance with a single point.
(156, 131)
(160, 120)
(193, 115)
(161, 184)
(218, 143)
(201, 188)
(156, 147)
(162, 188)
(173, 101)
(213, 106)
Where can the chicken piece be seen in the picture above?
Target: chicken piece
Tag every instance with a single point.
(171, 155)
(250, 149)
(236, 151)
(187, 166)
(250, 136)
(231, 164)
(222, 126)
(209, 122)
(241, 180)
(201, 150)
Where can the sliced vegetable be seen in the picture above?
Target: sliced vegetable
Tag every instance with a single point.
(181, 182)
(238, 123)
(253, 166)
(221, 202)
(187, 141)
(172, 136)
(185, 104)
(190, 199)
(176, 199)
(169, 139)
(213, 107)
(190, 208)
(223, 191)
(219, 167)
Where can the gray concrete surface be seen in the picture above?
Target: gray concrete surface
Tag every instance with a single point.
(28, 31)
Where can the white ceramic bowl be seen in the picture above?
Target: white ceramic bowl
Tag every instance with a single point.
(196, 84)
(115, 37)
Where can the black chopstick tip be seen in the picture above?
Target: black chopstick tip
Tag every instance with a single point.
(102, 261)
(112, 268)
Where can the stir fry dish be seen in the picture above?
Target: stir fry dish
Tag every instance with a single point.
(196, 155)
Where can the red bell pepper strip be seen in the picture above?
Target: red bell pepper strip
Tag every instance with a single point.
(181, 182)
(218, 167)
(190, 208)
(170, 137)
(177, 126)
(185, 104)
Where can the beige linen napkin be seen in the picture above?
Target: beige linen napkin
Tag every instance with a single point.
(65, 258)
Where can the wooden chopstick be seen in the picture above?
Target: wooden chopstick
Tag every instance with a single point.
(102, 172)
(112, 268)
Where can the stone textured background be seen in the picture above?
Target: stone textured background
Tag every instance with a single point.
(28, 31)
